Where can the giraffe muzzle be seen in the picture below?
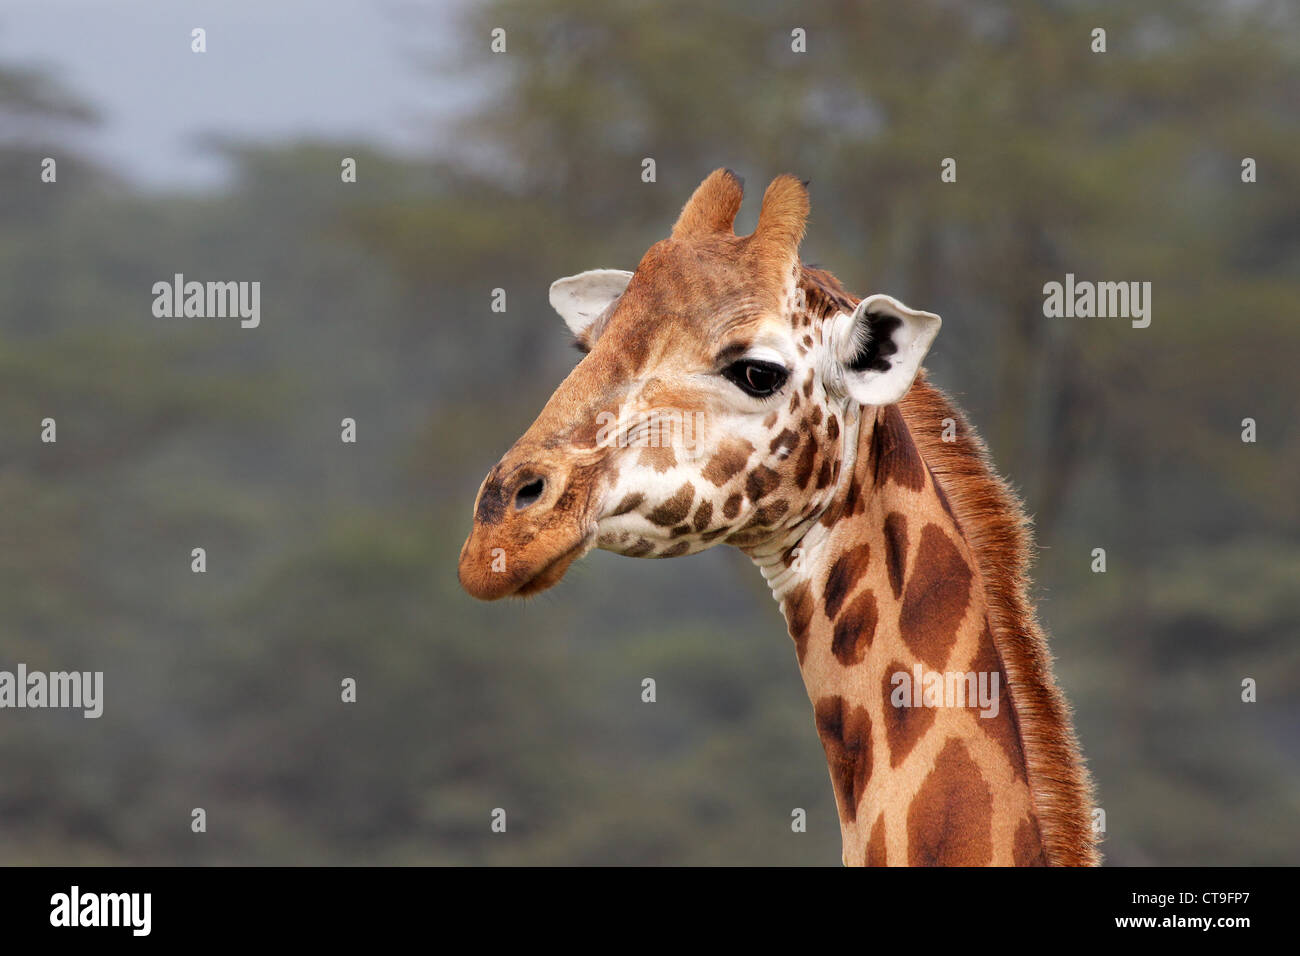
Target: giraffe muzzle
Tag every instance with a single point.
(527, 532)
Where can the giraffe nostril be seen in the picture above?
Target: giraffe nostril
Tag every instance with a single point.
(529, 493)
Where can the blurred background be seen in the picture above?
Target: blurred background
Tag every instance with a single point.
(478, 171)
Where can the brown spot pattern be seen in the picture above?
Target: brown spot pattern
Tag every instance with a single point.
(949, 821)
(804, 469)
(762, 481)
(855, 630)
(798, 614)
(895, 453)
(787, 440)
(847, 570)
(770, 514)
(943, 499)
(731, 457)
(1027, 847)
(896, 550)
(856, 500)
(845, 732)
(904, 726)
(628, 503)
(876, 855)
(1005, 727)
(675, 509)
(936, 598)
(660, 459)
(703, 515)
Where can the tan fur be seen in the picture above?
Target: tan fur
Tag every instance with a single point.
(781, 223)
(712, 207)
(995, 526)
(934, 786)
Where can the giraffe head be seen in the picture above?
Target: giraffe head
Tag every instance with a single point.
(712, 405)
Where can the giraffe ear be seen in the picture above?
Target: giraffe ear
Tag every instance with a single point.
(581, 299)
(881, 349)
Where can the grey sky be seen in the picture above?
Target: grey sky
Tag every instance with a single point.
(274, 70)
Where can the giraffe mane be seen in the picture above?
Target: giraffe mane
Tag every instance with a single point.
(999, 533)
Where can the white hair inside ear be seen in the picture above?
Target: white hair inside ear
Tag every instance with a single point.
(583, 298)
(878, 350)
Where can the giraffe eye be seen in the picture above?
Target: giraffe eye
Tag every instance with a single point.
(759, 379)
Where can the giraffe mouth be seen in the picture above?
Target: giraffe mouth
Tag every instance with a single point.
(550, 574)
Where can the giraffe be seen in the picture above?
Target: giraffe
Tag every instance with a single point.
(729, 393)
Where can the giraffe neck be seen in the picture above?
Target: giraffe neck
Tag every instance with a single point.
(886, 605)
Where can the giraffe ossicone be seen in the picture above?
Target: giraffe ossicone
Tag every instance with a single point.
(777, 413)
